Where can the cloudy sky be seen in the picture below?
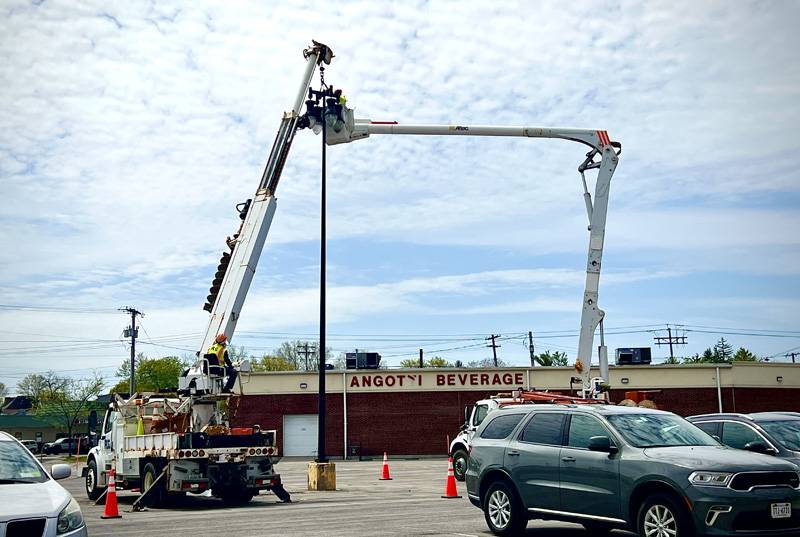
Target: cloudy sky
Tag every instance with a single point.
(129, 131)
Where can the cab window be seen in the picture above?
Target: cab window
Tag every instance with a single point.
(480, 414)
(544, 428)
(108, 423)
(501, 426)
(737, 435)
(582, 428)
(710, 427)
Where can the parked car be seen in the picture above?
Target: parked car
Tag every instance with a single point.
(31, 502)
(66, 445)
(772, 433)
(608, 466)
(32, 445)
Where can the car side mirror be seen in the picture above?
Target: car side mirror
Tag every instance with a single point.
(61, 471)
(603, 444)
(759, 447)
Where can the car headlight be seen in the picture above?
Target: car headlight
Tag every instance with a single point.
(70, 518)
(710, 479)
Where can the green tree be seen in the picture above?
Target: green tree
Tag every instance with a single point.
(744, 355)
(272, 363)
(672, 361)
(152, 374)
(723, 351)
(486, 363)
(294, 352)
(410, 363)
(695, 359)
(3, 390)
(32, 386)
(437, 361)
(63, 401)
(552, 359)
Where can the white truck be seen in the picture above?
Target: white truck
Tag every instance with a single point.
(474, 416)
(139, 439)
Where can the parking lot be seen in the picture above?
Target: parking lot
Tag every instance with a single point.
(410, 504)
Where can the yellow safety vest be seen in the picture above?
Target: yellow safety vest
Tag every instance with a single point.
(219, 350)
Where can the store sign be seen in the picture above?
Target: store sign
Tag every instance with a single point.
(436, 380)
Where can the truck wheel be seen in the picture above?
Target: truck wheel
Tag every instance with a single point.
(236, 497)
(503, 512)
(460, 464)
(660, 515)
(92, 490)
(155, 497)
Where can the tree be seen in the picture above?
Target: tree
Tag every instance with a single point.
(3, 390)
(152, 374)
(294, 352)
(486, 363)
(32, 386)
(272, 363)
(437, 361)
(708, 356)
(63, 401)
(409, 363)
(554, 359)
(696, 359)
(744, 355)
(672, 361)
(723, 350)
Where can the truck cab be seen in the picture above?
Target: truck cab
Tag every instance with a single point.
(473, 417)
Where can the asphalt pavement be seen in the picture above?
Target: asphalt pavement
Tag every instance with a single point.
(408, 505)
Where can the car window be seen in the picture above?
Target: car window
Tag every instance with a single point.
(544, 428)
(710, 427)
(501, 426)
(582, 428)
(786, 432)
(109, 421)
(659, 430)
(480, 414)
(738, 435)
(17, 465)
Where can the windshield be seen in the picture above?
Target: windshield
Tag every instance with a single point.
(17, 465)
(786, 432)
(659, 430)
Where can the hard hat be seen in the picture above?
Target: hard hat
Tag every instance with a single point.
(221, 338)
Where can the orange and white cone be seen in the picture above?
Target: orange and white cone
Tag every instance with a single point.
(450, 490)
(385, 472)
(112, 510)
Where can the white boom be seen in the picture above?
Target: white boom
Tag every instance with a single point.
(250, 240)
(596, 209)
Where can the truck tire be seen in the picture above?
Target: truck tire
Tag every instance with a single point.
(92, 490)
(460, 464)
(233, 497)
(156, 496)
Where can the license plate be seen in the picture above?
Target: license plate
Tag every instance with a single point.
(781, 510)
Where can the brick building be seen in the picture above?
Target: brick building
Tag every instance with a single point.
(414, 411)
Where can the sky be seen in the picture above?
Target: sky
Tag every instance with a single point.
(129, 132)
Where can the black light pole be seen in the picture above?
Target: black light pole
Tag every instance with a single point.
(321, 349)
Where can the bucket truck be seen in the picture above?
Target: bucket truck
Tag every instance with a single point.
(173, 445)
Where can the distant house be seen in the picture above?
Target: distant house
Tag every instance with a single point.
(25, 427)
(17, 405)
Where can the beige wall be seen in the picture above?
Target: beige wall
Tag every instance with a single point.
(739, 375)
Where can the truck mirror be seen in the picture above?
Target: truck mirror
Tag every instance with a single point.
(466, 413)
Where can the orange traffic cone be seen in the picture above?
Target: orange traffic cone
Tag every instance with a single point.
(112, 511)
(385, 473)
(450, 490)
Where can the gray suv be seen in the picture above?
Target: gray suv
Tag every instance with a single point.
(619, 467)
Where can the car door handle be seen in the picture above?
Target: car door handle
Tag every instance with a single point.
(568, 459)
(513, 453)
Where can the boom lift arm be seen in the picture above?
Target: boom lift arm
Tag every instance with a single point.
(346, 129)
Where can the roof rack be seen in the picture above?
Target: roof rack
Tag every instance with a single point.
(535, 397)
(723, 415)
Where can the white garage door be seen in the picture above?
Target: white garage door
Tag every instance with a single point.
(300, 435)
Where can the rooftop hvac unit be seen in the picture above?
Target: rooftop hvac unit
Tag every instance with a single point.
(633, 356)
(363, 360)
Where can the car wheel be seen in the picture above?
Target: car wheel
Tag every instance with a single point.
(662, 516)
(92, 490)
(154, 497)
(460, 464)
(503, 511)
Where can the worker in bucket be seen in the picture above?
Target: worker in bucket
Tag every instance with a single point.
(220, 350)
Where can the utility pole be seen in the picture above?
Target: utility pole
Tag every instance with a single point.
(421, 361)
(494, 346)
(671, 340)
(305, 350)
(793, 355)
(132, 332)
(321, 458)
(530, 348)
